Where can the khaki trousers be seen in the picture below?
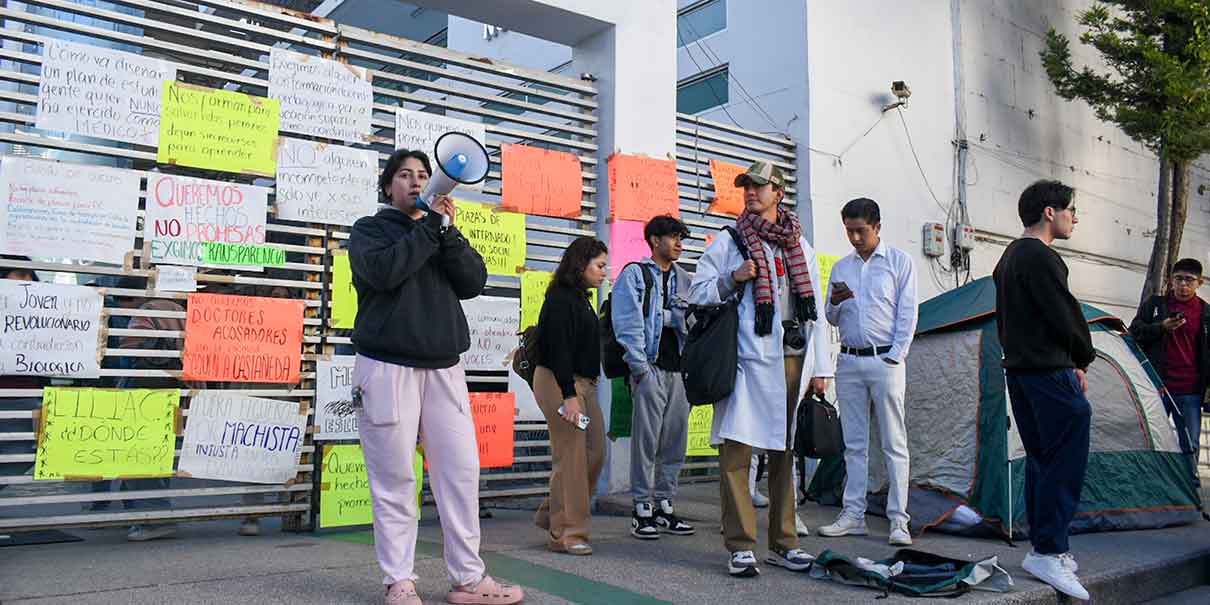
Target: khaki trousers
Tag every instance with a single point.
(577, 459)
(734, 460)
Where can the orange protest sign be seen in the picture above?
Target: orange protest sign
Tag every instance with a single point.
(641, 188)
(540, 181)
(493, 413)
(728, 199)
(243, 339)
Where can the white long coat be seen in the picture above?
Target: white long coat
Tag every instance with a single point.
(755, 413)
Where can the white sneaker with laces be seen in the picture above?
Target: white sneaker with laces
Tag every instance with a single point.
(759, 500)
(1069, 562)
(900, 536)
(743, 564)
(1051, 570)
(845, 525)
(801, 528)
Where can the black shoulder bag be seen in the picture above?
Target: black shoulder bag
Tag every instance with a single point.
(711, 355)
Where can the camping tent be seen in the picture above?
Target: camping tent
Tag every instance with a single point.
(967, 461)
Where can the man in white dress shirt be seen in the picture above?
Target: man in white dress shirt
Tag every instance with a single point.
(873, 302)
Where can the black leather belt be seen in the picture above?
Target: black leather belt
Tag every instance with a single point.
(866, 352)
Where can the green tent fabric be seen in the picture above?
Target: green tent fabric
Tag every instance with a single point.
(967, 463)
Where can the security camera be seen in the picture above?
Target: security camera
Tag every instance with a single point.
(900, 89)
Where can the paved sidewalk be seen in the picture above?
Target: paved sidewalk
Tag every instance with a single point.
(209, 563)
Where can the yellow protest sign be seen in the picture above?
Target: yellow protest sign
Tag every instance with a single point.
(533, 294)
(218, 129)
(700, 420)
(92, 433)
(499, 237)
(344, 297)
(826, 262)
(344, 493)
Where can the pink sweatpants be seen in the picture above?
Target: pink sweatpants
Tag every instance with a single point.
(400, 405)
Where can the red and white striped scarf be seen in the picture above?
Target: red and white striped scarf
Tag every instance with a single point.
(785, 234)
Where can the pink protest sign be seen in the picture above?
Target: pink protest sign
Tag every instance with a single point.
(626, 245)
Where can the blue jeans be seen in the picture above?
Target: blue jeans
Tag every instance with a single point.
(1190, 434)
(1054, 419)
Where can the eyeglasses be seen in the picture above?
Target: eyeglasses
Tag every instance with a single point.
(1184, 279)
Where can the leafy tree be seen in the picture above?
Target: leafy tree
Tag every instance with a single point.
(1155, 86)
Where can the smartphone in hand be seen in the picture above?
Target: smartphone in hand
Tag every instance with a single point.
(581, 420)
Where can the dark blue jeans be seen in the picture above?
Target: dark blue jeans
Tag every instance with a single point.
(1190, 435)
(1053, 418)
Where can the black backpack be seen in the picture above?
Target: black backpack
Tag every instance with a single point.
(612, 352)
(525, 356)
(817, 433)
(711, 356)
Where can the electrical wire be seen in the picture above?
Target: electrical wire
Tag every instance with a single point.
(721, 104)
(919, 167)
(704, 46)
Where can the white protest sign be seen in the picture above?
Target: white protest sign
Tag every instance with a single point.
(170, 278)
(419, 130)
(321, 97)
(99, 92)
(527, 405)
(335, 417)
(494, 322)
(52, 209)
(321, 183)
(49, 329)
(183, 213)
(239, 438)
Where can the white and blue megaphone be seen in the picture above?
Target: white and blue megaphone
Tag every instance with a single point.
(460, 160)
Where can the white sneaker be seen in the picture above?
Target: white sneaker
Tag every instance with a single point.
(845, 525)
(759, 500)
(1069, 562)
(743, 564)
(801, 528)
(1051, 570)
(900, 536)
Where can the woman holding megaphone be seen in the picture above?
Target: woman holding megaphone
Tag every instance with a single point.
(410, 271)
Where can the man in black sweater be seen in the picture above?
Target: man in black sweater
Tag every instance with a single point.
(1047, 348)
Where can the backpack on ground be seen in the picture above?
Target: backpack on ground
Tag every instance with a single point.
(914, 573)
(612, 352)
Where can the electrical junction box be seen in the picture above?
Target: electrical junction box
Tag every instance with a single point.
(964, 237)
(933, 237)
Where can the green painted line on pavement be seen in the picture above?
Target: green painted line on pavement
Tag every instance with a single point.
(531, 575)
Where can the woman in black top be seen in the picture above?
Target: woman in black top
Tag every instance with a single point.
(565, 385)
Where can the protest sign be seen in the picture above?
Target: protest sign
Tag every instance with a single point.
(335, 417)
(321, 97)
(50, 208)
(106, 433)
(49, 329)
(218, 130)
(499, 237)
(826, 262)
(242, 255)
(344, 491)
(493, 322)
(493, 414)
(420, 130)
(184, 213)
(344, 297)
(243, 339)
(540, 181)
(626, 245)
(641, 188)
(700, 419)
(101, 92)
(234, 437)
(526, 404)
(321, 183)
(171, 278)
(728, 199)
(533, 294)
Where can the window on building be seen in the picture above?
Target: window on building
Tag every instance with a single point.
(704, 91)
(700, 19)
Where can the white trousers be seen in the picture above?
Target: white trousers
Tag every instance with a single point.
(862, 382)
(401, 405)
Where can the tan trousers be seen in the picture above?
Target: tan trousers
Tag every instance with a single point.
(577, 459)
(734, 458)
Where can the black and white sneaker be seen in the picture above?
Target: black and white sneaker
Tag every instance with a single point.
(743, 564)
(795, 559)
(642, 522)
(669, 523)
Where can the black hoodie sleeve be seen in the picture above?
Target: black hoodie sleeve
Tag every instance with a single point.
(557, 343)
(1047, 285)
(384, 263)
(462, 264)
(1146, 332)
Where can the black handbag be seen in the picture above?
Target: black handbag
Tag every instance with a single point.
(818, 433)
(711, 355)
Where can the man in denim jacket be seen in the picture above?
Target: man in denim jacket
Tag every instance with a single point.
(652, 344)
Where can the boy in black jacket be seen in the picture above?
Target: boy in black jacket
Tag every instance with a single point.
(1047, 348)
(1174, 331)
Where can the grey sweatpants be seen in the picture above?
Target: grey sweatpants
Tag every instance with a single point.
(659, 432)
